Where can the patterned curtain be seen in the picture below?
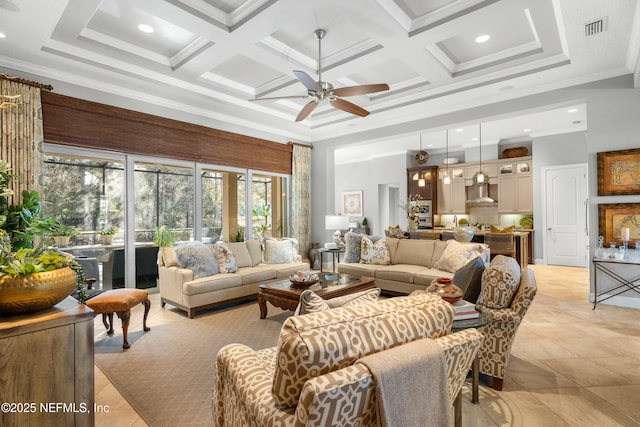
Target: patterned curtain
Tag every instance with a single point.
(301, 197)
(21, 134)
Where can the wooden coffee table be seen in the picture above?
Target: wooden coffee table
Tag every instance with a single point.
(282, 294)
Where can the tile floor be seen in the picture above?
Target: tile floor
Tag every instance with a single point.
(570, 365)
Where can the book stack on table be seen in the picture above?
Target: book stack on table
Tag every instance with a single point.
(465, 310)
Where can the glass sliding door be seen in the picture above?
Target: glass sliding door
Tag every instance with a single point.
(223, 206)
(87, 193)
(164, 196)
(269, 205)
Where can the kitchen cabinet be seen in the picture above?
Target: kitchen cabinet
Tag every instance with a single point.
(515, 186)
(452, 197)
(429, 173)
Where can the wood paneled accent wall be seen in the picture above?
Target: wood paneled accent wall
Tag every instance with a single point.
(79, 123)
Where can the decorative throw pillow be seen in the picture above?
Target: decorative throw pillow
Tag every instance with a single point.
(500, 282)
(196, 257)
(396, 232)
(352, 247)
(278, 251)
(225, 258)
(374, 253)
(310, 302)
(469, 279)
(168, 258)
(456, 255)
(495, 229)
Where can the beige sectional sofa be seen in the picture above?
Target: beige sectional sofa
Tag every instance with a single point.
(412, 264)
(179, 288)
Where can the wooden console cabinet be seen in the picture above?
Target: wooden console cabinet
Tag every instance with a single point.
(47, 367)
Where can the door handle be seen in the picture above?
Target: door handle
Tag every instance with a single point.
(549, 229)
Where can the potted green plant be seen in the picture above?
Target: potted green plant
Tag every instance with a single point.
(31, 279)
(63, 233)
(526, 222)
(163, 237)
(107, 234)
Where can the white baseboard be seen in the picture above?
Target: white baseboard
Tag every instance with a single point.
(618, 301)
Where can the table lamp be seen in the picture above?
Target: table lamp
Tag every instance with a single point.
(338, 223)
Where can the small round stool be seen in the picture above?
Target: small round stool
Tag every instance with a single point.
(120, 301)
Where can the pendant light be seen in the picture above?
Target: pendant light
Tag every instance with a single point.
(480, 176)
(447, 179)
(421, 181)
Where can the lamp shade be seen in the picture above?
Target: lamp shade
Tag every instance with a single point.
(336, 222)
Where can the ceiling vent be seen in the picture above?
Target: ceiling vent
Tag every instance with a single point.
(595, 27)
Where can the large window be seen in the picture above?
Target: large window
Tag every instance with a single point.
(82, 189)
(163, 196)
(84, 193)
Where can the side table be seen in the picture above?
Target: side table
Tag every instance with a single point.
(336, 255)
(623, 284)
(459, 325)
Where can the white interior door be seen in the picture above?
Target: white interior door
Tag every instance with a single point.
(565, 215)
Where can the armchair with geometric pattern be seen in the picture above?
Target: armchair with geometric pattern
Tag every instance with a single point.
(506, 294)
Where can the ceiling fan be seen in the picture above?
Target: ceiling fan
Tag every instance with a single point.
(320, 90)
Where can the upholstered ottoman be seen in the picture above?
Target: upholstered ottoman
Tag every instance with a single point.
(120, 301)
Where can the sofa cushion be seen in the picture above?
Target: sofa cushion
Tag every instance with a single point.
(500, 282)
(469, 279)
(225, 258)
(310, 302)
(255, 250)
(325, 341)
(374, 253)
(197, 257)
(456, 255)
(278, 251)
(207, 284)
(398, 272)
(415, 252)
(257, 274)
(425, 276)
(241, 253)
(359, 269)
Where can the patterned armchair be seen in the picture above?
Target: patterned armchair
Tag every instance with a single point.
(313, 377)
(506, 294)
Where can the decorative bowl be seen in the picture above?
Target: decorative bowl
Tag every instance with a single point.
(463, 233)
(38, 291)
(302, 283)
(447, 291)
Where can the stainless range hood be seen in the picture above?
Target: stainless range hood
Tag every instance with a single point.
(479, 196)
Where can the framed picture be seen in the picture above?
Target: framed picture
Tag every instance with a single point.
(619, 172)
(352, 203)
(613, 217)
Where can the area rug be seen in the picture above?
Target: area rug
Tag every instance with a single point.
(168, 373)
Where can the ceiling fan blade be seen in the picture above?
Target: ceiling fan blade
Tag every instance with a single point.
(306, 110)
(360, 90)
(280, 97)
(349, 107)
(307, 81)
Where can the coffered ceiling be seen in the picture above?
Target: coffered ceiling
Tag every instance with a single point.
(208, 58)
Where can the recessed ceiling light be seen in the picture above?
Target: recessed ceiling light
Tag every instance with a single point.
(483, 38)
(429, 145)
(572, 110)
(145, 28)
(459, 130)
(526, 130)
(474, 139)
(3, 35)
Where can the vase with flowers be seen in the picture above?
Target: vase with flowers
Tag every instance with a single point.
(412, 208)
(31, 278)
